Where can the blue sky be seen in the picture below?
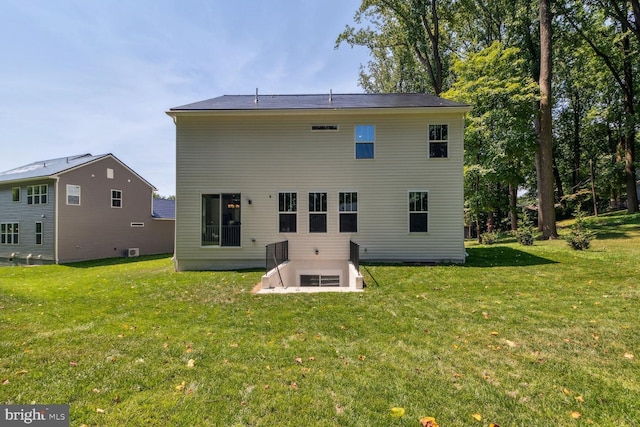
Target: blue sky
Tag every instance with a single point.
(85, 76)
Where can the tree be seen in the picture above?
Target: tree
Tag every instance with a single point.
(544, 149)
(404, 34)
(607, 26)
(499, 139)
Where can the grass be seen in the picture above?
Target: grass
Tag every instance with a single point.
(520, 336)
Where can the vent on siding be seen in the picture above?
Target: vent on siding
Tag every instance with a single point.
(133, 252)
(137, 224)
(324, 128)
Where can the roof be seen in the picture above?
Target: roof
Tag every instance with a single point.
(322, 101)
(164, 208)
(46, 168)
(52, 168)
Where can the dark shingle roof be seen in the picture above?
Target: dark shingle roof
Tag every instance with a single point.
(164, 208)
(323, 101)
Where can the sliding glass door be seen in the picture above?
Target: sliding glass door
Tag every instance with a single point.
(221, 219)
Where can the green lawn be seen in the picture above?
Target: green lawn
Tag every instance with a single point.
(519, 336)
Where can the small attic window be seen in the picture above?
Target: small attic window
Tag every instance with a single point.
(324, 128)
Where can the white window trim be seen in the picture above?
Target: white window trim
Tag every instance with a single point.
(325, 212)
(297, 212)
(41, 233)
(19, 194)
(409, 212)
(7, 233)
(357, 212)
(116, 198)
(448, 140)
(79, 195)
(39, 195)
(356, 142)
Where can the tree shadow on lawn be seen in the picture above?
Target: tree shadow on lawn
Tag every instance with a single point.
(502, 256)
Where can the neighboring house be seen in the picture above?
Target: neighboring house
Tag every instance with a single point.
(79, 208)
(382, 170)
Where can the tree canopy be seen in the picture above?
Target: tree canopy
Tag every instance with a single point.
(554, 86)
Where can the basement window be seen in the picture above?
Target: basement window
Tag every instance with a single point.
(319, 280)
(324, 128)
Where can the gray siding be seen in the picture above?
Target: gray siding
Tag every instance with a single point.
(259, 156)
(26, 216)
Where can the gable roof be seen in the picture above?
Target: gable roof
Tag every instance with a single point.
(164, 209)
(320, 102)
(53, 168)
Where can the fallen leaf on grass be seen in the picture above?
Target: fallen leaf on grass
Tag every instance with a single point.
(629, 356)
(5, 381)
(298, 360)
(429, 422)
(494, 333)
(73, 363)
(477, 417)
(485, 314)
(191, 363)
(21, 372)
(397, 412)
(181, 386)
(294, 385)
(100, 410)
(575, 415)
(579, 399)
(362, 357)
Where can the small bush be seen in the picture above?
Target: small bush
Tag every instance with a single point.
(580, 236)
(489, 238)
(525, 230)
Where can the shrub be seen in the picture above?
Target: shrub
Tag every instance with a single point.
(580, 236)
(489, 237)
(525, 230)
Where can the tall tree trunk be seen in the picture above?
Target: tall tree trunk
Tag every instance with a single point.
(629, 128)
(544, 151)
(575, 175)
(513, 206)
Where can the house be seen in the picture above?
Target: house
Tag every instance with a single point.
(384, 171)
(80, 208)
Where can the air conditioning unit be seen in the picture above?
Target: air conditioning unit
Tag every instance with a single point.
(133, 252)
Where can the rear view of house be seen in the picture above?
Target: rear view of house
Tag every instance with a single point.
(79, 208)
(318, 172)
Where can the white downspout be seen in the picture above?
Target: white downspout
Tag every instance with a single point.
(55, 222)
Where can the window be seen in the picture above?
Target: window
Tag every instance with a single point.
(319, 280)
(438, 141)
(365, 137)
(15, 194)
(38, 233)
(317, 212)
(73, 195)
(348, 212)
(221, 224)
(116, 198)
(418, 211)
(109, 173)
(9, 233)
(287, 209)
(37, 194)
